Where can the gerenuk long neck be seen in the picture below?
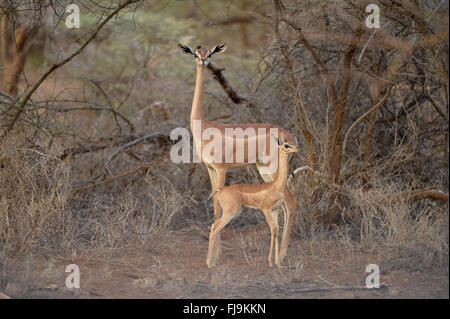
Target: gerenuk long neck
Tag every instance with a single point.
(280, 180)
(197, 109)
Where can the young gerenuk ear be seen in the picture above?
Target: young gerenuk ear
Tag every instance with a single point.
(279, 142)
(220, 48)
(186, 49)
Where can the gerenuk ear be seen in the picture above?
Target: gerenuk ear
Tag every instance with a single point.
(220, 48)
(186, 49)
(279, 142)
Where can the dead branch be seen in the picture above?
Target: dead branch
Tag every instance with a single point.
(315, 57)
(109, 179)
(331, 287)
(123, 147)
(424, 28)
(437, 108)
(303, 168)
(344, 144)
(347, 288)
(232, 94)
(315, 174)
(90, 108)
(233, 20)
(84, 149)
(433, 193)
(375, 91)
(110, 142)
(110, 104)
(387, 42)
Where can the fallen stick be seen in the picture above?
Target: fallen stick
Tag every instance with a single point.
(348, 288)
(429, 192)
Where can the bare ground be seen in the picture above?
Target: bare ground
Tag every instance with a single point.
(176, 269)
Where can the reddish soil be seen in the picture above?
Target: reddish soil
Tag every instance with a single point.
(177, 269)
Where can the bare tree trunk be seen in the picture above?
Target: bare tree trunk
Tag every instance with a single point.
(338, 102)
(12, 66)
(336, 141)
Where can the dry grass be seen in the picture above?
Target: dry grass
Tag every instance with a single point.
(412, 235)
(33, 191)
(409, 235)
(35, 216)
